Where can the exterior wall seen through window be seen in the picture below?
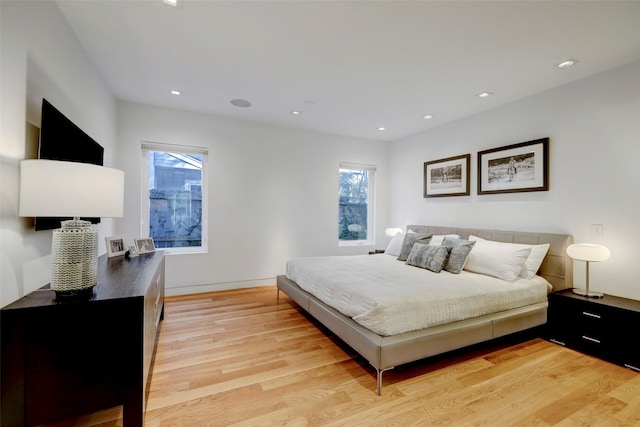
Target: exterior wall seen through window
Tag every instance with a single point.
(176, 206)
(355, 201)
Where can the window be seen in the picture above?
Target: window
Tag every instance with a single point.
(174, 198)
(355, 201)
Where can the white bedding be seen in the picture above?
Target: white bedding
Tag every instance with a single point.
(389, 297)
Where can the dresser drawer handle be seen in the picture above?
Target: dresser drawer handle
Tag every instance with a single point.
(591, 339)
(626, 365)
(557, 342)
(597, 316)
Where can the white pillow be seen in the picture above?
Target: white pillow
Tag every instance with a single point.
(436, 239)
(498, 260)
(395, 245)
(533, 262)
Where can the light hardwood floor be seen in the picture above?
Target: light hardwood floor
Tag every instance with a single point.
(238, 358)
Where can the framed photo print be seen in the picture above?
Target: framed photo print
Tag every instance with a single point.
(447, 177)
(145, 246)
(514, 168)
(115, 246)
(133, 251)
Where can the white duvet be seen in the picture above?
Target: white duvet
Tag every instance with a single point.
(390, 297)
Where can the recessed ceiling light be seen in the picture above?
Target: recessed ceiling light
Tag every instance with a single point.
(427, 117)
(381, 128)
(175, 92)
(484, 94)
(173, 3)
(242, 103)
(566, 64)
(295, 112)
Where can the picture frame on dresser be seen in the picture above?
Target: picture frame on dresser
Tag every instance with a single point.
(447, 177)
(514, 168)
(115, 246)
(145, 245)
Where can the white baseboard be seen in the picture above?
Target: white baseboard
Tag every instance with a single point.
(223, 286)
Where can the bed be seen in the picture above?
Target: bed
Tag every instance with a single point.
(386, 349)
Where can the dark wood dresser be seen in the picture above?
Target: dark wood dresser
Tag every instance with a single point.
(602, 327)
(65, 358)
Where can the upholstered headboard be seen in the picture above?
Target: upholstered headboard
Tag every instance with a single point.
(557, 266)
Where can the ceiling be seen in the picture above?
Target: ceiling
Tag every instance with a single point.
(349, 67)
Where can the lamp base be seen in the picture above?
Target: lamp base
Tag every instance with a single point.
(74, 257)
(587, 293)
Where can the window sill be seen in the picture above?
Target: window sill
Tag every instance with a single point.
(177, 251)
(348, 243)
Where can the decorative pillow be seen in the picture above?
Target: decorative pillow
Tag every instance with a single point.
(436, 239)
(395, 245)
(409, 240)
(533, 262)
(430, 257)
(458, 254)
(502, 261)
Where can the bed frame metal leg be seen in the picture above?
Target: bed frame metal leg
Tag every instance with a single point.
(379, 373)
(277, 295)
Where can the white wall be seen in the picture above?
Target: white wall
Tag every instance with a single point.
(40, 57)
(273, 193)
(594, 131)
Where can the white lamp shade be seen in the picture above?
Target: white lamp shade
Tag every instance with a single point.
(588, 252)
(51, 188)
(392, 231)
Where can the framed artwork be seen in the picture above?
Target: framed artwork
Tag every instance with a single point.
(447, 177)
(514, 168)
(145, 246)
(115, 246)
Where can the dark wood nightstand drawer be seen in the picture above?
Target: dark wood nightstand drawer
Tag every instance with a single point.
(601, 327)
(624, 332)
(575, 324)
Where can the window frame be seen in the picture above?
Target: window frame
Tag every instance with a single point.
(371, 219)
(146, 148)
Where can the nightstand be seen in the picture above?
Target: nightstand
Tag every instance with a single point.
(603, 327)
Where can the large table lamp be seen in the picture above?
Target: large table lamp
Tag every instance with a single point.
(588, 252)
(51, 188)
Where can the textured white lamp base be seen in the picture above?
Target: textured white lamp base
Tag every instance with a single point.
(74, 257)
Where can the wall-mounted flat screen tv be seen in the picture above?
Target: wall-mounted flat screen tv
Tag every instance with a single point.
(61, 139)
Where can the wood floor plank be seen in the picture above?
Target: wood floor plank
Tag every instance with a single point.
(239, 358)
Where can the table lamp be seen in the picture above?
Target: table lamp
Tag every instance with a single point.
(51, 188)
(589, 253)
(392, 231)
